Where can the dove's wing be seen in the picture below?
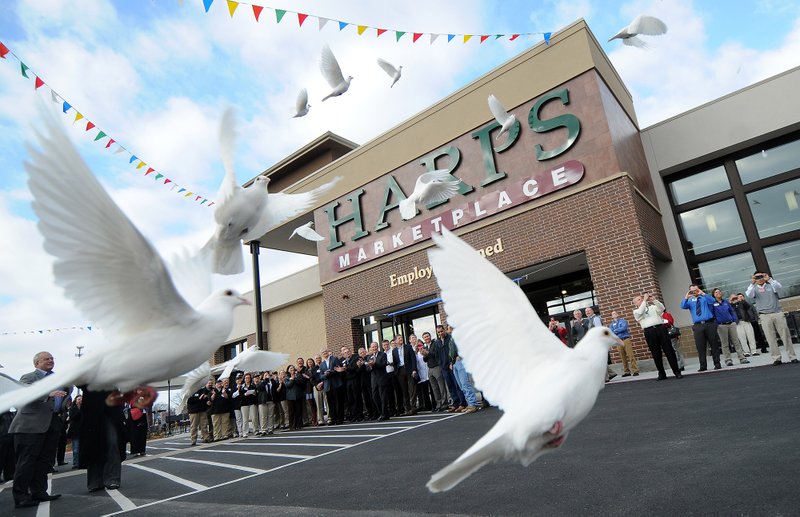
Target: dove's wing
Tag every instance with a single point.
(633, 41)
(8, 384)
(191, 274)
(387, 67)
(648, 25)
(194, 381)
(302, 100)
(497, 109)
(308, 233)
(227, 147)
(111, 272)
(479, 300)
(255, 360)
(26, 394)
(330, 68)
(439, 185)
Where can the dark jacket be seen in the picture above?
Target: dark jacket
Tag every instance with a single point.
(221, 402)
(378, 369)
(432, 356)
(351, 365)
(296, 388)
(199, 400)
(249, 394)
(74, 418)
(266, 391)
(332, 379)
(93, 436)
(409, 358)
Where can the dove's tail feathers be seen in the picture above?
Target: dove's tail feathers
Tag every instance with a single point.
(40, 389)
(485, 451)
(633, 41)
(408, 209)
(226, 258)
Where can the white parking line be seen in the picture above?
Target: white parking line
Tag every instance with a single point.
(123, 502)
(285, 436)
(218, 464)
(43, 510)
(163, 448)
(184, 482)
(339, 429)
(253, 453)
(298, 444)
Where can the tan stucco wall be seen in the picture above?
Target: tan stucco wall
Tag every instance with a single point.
(298, 329)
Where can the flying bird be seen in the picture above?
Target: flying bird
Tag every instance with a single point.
(307, 232)
(502, 117)
(393, 72)
(647, 25)
(118, 280)
(301, 105)
(333, 74)
(431, 187)
(544, 388)
(247, 213)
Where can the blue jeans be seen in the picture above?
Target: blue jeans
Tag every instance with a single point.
(76, 448)
(452, 385)
(463, 383)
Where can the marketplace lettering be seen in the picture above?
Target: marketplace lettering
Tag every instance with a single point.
(393, 193)
(421, 274)
(547, 182)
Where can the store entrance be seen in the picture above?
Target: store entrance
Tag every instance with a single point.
(414, 318)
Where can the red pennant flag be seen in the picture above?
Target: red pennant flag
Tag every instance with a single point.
(257, 11)
(484, 38)
(513, 37)
(197, 198)
(380, 31)
(149, 170)
(89, 125)
(301, 18)
(38, 83)
(211, 203)
(417, 35)
(167, 181)
(3, 50)
(110, 141)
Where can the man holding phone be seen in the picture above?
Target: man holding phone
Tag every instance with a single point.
(764, 291)
(704, 329)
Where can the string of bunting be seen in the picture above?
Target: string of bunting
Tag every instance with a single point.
(68, 109)
(362, 29)
(42, 332)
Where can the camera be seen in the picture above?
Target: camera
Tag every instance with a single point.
(759, 277)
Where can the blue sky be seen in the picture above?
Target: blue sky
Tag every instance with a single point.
(156, 76)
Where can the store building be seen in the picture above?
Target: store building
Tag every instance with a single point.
(574, 203)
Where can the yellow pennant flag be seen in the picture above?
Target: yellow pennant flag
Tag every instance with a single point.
(232, 7)
(141, 164)
(467, 37)
(361, 29)
(78, 116)
(188, 194)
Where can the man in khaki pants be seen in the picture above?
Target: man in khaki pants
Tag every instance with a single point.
(619, 326)
(764, 291)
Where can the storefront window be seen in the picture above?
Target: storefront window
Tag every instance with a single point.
(784, 266)
(424, 324)
(731, 274)
(699, 185)
(775, 209)
(769, 162)
(712, 227)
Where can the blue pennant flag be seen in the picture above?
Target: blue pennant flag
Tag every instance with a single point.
(342, 25)
(133, 158)
(207, 4)
(450, 37)
(66, 106)
(547, 38)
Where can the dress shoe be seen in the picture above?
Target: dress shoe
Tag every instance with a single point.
(635, 374)
(777, 362)
(728, 363)
(113, 486)
(45, 497)
(26, 503)
(611, 376)
(62, 463)
(795, 361)
(626, 374)
(755, 354)
(95, 489)
(717, 367)
(383, 419)
(470, 409)
(678, 376)
(683, 368)
(744, 361)
(702, 369)
(661, 377)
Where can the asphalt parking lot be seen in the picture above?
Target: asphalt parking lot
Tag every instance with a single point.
(721, 443)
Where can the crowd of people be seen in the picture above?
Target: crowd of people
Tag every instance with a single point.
(393, 379)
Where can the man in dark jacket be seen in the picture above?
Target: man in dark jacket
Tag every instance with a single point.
(267, 396)
(354, 411)
(221, 410)
(376, 364)
(197, 405)
(102, 441)
(331, 370)
(445, 347)
(405, 359)
(431, 353)
(365, 381)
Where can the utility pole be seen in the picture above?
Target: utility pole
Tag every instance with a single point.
(80, 351)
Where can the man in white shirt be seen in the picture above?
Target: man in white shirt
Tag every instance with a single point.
(647, 311)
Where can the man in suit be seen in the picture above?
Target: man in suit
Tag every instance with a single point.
(376, 364)
(332, 386)
(36, 429)
(351, 363)
(405, 359)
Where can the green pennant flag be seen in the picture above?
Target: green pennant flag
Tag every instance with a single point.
(279, 14)
(100, 135)
(159, 176)
(23, 68)
(398, 35)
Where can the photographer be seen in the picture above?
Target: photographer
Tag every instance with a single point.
(704, 329)
(744, 327)
(649, 313)
(764, 291)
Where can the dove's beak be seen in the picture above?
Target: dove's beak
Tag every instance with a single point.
(618, 341)
(245, 301)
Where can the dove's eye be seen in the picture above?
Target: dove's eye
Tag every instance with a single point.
(607, 333)
(228, 293)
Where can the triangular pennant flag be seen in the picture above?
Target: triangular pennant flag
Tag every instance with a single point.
(54, 96)
(498, 36)
(232, 7)
(37, 83)
(398, 35)
(207, 4)
(133, 158)
(149, 170)
(100, 135)
(3, 50)
(24, 69)
(484, 38)
(342, 25)
(211, 203)
(40, 332)
(181, 190)
(90, 328)
(257, 11)
(380, 31)
(301, 18)
(415, 37)
(197, 198)
(89, 125)
(159, 176)
(173, 185)
(141, 164)
(78, 116)
(167, 181)
(450, 37)
(513, 37)
(110, 141)
(467, 37)
(433, 37)
(188, 194)
(279, 14)
(203, 201)
(547, 38)
(119, 149)
(322, 22)
(66, 106)
(361, 29)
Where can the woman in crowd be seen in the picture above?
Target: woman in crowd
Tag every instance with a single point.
(74, 429)
(281, 406)
(102, 443)
(295, 397)
(311, 375)
(137, 430)
(249, 396)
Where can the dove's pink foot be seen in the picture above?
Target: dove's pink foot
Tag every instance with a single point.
(142, 397)
(558, 426)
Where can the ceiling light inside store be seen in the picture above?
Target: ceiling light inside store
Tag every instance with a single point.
(791, 199)
(711, 223)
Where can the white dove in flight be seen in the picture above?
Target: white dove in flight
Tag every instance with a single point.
(642, 24)
(247, 213)
(333, 74)
(393, 72)
(307, 232)
(301, 105)
(118, 280)
(500, 114)
(544, 388)
(430, 187)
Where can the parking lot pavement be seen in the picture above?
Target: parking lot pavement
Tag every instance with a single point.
(718, 444)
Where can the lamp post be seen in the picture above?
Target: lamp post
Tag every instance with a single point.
(169, 402)
(254, 250)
